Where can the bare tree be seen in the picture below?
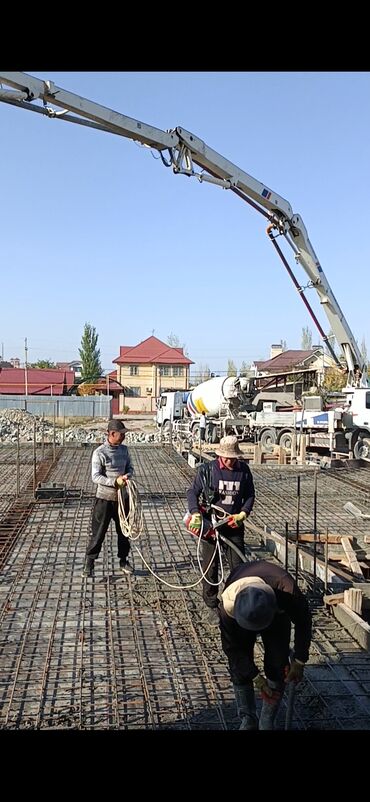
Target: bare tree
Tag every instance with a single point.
(231, 368)
(306, 343)
(174, 342)
(244, 368)
(363, 350)
(202, 374)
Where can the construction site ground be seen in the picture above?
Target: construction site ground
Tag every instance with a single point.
(129, 652)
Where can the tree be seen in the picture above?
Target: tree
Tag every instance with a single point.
(335, 379)
(231, 368)
(203, 374)
(283, 345)
(306, 343)
(244, 369)
(90, 354)
(174, 342)
(43, 364)
(363, 350)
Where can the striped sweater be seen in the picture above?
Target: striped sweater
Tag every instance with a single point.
(108, 462)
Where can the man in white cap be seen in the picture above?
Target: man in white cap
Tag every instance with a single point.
(110, 468)
(227, 483)
(262, 598)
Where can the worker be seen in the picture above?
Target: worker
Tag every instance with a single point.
(111, 467)
(227, 483)
(262, 598)
(202, 427)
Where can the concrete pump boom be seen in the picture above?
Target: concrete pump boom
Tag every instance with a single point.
(185, 150)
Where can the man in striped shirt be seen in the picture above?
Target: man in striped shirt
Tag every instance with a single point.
(111, 467)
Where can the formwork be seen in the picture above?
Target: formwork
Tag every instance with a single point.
(130, 652)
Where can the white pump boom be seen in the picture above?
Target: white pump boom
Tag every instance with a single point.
(184, 151)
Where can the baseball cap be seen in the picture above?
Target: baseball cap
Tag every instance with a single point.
(116, 426)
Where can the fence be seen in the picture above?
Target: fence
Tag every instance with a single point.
(91, 406)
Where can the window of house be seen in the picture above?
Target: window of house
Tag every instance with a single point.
(134, 370)
(132, 392)
(164, 370)
(177, 370)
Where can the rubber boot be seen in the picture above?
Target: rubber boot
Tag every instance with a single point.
(88, 569)
(269, 710)
(246, 707)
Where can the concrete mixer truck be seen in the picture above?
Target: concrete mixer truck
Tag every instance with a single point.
(229, 404)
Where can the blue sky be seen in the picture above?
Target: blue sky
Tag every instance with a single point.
(94, 228)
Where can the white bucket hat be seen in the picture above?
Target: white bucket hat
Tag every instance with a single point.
(229, 448)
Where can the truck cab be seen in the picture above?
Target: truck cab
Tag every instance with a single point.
(171, 406)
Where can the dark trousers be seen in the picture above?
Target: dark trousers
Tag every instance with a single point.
(202, 433)
(276, 641)
(103, 512)
(236, 536)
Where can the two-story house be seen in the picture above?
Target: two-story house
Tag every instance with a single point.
(147, 369)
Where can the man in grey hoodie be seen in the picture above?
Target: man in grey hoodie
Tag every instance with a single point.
(110, 468)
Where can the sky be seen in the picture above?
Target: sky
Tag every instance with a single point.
(95, 229)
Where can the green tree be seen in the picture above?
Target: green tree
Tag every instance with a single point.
(90, 354)
(335, 379)
(244, 368)
(306, 342)
(231, 368)
(44, 364)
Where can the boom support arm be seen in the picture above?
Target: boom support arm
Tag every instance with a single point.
(186, 150)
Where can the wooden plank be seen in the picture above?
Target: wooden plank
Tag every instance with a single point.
(334, 598)
(353, 599)
(351, 557)
(310, 538)
(357, 628)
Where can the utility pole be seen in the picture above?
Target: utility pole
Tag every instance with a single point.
(25, 365)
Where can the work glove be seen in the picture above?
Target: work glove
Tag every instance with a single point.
(236, 520)
(195, 523)
(268, 694)
(294, 672)
(120, 481)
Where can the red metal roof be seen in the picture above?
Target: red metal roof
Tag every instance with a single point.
(152, 351)
(39, 382)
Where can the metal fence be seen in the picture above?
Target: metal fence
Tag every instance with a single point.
(92, 406)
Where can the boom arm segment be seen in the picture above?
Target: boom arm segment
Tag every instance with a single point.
(185, 151)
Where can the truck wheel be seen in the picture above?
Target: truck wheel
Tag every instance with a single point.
(362, 448)
(166, 427)
(195, 433)
(285, 440)
(268, 439)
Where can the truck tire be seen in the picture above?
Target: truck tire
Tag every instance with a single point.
(285, 439)
(268, 439)
(195, 433)
(361, 448)
(166, 426)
